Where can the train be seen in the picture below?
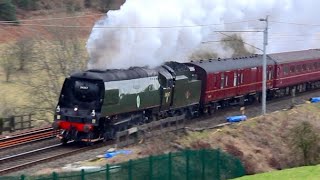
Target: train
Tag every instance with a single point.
(96, 104)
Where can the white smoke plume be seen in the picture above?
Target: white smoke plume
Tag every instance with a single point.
(131, 45)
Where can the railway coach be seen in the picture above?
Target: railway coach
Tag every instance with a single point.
(296, 71)
(231, 81)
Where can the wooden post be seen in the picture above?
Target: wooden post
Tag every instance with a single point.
(242, 110)
(1, 125)
(12, 124)
(22, 122)
(29, 125)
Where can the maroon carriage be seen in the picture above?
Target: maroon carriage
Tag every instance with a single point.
(232, 81)
(296, 71)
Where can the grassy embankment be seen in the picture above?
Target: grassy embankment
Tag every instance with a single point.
(300, 173)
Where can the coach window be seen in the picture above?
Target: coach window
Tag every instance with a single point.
(235, 79)
(222, 80)
(292, 69)
(310, 67)
(269, 74)
(285, 70)
(299, 68)
(227, 77)
(304, 67)
(214, 80)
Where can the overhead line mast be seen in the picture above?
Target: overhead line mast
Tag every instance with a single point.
(264, 66)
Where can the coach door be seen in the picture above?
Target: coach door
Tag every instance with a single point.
(252, 85)
(270, 74)
(241, 88)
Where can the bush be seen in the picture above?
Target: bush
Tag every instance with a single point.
(7, 11)
(103, 5)
(305, 141)
(26, 4)
(74, 5)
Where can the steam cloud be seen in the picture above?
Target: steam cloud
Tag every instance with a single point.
(125, 47)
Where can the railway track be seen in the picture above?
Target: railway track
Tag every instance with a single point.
(27, 137)
(27, 159)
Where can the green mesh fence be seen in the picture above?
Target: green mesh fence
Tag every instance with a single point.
(188, 165)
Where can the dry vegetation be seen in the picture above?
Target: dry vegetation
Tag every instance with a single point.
(32, 76)
(35, 59)
(36, 56)
(262, 143)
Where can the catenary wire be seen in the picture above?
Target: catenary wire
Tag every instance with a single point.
(129, 27)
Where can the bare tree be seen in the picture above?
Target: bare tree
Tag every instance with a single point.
(305, 140)
(8, 61)
(23, 49)
(55, 60)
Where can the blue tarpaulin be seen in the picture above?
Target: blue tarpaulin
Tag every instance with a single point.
(114, 153)
(315, 99)
(236, 118)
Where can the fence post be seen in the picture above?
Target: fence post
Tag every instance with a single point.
(203, 163)
(12, 124)
(170, 166)
(130, 170)
(82, 174)
(187, 164)
(54, 176)
(21, 122)
(150, 167)
(107, 172)
(218, 164)
(1, 125)
(29, 120)
(22, 177)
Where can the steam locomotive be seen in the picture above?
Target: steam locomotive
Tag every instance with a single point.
(96, 104)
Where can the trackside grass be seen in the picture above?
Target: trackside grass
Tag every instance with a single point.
(303, 173)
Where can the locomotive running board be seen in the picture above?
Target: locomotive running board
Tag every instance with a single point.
(91, 140)
(161, 122)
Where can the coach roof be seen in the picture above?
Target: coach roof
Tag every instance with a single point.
(294, 56)
(220, 65)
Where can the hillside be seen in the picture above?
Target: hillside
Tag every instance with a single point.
(51, 35)
(262, 143)
(35, 17)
